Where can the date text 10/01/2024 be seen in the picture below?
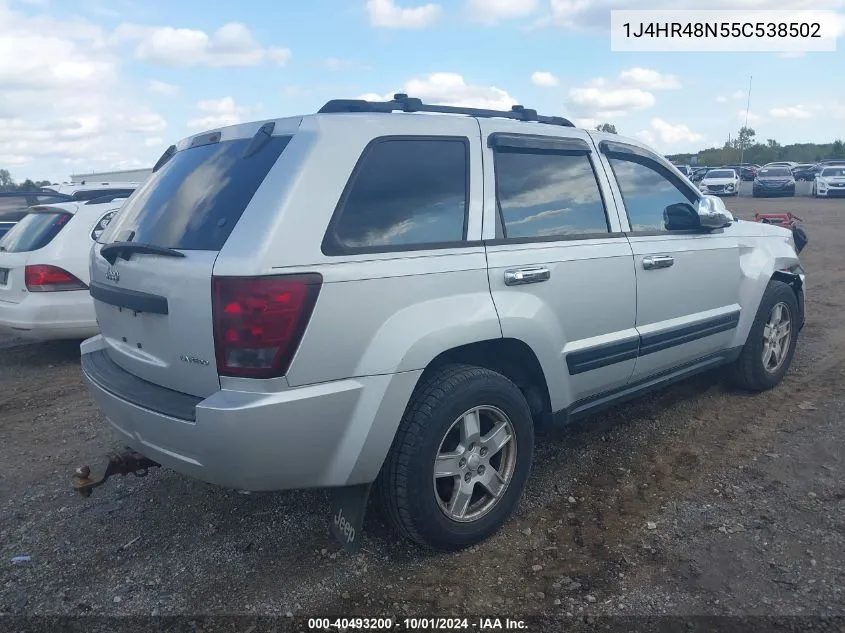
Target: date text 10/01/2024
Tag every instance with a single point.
(416, 624)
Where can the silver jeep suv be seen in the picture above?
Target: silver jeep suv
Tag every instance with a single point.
(372, 294)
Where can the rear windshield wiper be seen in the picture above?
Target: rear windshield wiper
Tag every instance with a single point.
(124, 249)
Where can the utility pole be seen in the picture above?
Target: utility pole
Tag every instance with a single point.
(747, 106)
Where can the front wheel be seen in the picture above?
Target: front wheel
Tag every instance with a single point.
(768, 351)
(460, 459)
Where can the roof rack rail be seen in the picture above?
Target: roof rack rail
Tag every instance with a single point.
(403, 103)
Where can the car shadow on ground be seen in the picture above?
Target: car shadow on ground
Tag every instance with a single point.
(38, 353)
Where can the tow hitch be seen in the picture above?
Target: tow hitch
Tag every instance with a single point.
(85, 479)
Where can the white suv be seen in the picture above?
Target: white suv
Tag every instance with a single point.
(44, 266)
(364, 295)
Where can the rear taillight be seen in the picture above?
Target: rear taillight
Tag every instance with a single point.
(46, 278)
(259, 322)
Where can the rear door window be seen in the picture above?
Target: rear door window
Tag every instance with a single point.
(34, 231)
(548, 195)
(197, 197)
(404, 193)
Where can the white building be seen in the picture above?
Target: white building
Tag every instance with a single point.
(127, 175)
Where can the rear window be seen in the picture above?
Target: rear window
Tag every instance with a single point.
(35, 231)
(197, 197)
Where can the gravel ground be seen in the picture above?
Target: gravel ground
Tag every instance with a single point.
(696, 500)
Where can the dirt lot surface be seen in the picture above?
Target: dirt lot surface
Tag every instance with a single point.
(696, 500)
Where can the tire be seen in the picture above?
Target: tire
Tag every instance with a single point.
(748, 371)
(416, 506)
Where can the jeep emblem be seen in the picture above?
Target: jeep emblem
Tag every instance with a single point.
(112, 274)
(344, 527)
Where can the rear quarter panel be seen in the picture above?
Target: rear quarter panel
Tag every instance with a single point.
(377, 313)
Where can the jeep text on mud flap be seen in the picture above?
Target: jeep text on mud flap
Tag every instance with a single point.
(401, 299)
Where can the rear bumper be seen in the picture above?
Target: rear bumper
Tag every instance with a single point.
(50, 315)
(323, 435)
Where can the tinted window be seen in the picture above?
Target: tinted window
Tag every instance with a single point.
(647, 191)
(91, 194)
(405, 192)
(780, 172)
(35, 231)
(194, 201)
(543, 195)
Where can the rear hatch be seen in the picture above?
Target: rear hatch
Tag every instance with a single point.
(151, 270)
(38, 228)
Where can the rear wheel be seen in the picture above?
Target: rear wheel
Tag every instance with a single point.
(770, 346)
(460, 459)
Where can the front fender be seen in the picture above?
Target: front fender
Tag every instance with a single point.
(768, 254)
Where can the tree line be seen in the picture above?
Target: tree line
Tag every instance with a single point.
(7, 183)
(746, 148)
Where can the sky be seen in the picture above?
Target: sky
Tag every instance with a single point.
(93, 85)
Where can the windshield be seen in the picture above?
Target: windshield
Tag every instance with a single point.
(721, 173)
(35, 231)
(780, 172)
(833, 171)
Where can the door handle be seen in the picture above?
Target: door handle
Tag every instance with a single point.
(652, 262)
(520, 276)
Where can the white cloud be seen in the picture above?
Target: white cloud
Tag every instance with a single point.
(587, 123)
(792, 112)
(387, 14)
(544, 79)
(608, 102)
(153, 141)
(65, 105)
(231, 45)
(217, 113)
(492, 11)
(753, 117)
(648, 79)
(670, 135)
(148, 122)
(739, 95)
(162, 87)
(451, 89)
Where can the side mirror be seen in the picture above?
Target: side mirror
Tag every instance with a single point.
(680, 217)
(712, 213)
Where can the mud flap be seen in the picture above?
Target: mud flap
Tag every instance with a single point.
(349, 505)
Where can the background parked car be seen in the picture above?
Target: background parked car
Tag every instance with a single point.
(830, 182)
(746, 171)
(699, 172)
(13, 205)
(720, 182)
(44, 270)
(806, 171)
(774, 181)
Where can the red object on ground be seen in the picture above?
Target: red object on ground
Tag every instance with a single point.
(782, 219)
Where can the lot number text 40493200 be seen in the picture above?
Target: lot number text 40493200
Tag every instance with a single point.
(416, 624)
